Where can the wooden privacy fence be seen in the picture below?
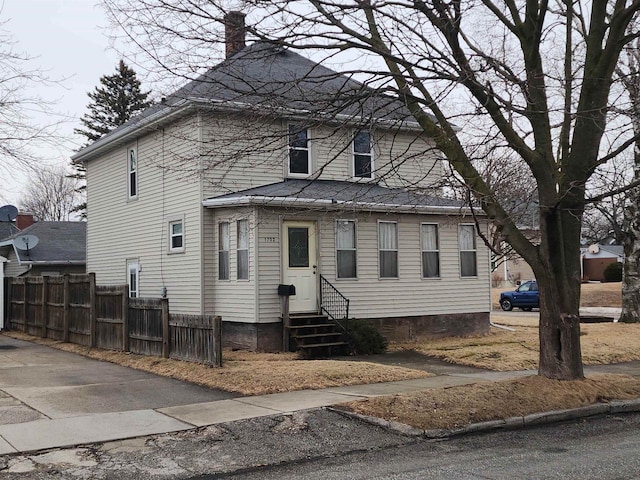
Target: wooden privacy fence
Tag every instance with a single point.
(72, 308)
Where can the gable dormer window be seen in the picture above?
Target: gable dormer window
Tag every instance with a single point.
(299, 155)
(362, 155)
(132, 170)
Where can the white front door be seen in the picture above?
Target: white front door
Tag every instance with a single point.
(300, 264)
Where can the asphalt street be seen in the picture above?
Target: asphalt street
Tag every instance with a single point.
(597, 448)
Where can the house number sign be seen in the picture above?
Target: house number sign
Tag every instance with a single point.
(269, 239)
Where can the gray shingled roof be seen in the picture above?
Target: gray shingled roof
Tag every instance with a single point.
(7, 229)
(334, 194)
(58, 243)
(273, 81)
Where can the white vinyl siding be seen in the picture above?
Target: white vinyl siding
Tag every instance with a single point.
(467, 245)
(346, 258)
(430, 250)
(164, 195)
(408, 295)
(388, 249)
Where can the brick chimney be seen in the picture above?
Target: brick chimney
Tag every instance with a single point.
(24, 220)
(234, 32)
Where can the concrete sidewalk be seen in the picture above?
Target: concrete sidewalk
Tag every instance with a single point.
(94, 428)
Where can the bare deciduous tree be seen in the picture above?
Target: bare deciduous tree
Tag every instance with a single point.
(51, 195)
(534, 77)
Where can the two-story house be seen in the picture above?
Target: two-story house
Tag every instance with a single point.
(272, 169)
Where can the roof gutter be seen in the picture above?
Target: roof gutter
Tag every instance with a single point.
(247, 200)
(131, 131)
(52, 262)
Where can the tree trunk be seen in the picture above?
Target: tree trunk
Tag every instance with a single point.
(631, 275)
(560, 355)
(558, 274)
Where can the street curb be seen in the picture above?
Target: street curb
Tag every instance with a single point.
(512, 423)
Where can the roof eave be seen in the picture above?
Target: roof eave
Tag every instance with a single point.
(131, 131)
(246, 200)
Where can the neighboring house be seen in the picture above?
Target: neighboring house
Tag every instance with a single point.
(597, 257)
(242, 181)
(61, 249)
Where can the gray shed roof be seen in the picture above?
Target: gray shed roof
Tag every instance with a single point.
(336, 195)
(272, 81)
(59, 243)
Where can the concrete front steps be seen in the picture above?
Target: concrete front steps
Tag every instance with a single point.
(316, 336)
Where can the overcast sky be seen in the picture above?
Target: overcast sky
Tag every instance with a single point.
(69, 40)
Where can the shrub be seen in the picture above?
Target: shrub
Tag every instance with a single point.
(613, 272)
(365, 339)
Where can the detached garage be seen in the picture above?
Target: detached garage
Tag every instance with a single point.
(596, 258)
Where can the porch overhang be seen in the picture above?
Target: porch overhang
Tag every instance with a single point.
(328, 204)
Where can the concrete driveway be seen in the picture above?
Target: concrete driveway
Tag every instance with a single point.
(59, 384)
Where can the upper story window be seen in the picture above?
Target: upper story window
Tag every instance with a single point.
(346, 249)
(299, 155)
(243, 249)
(467, 246)
(132, 170)
(362, 155)
(430, 246)
(388, 249)
(223, 251)
(176, 236)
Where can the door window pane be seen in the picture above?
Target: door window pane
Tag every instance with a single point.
(298, 246)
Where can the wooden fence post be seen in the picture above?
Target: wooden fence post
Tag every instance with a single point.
(217, 336)
(45, 308)
(165, 327)
(66, 293)
(24, 305)
(125, 318)
(92, 310)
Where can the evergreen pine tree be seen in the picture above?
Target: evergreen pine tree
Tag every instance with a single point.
(117, 99)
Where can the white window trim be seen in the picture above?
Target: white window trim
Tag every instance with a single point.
(397, 250)
(355, 249)
(228, 279)
(308, 150)
(438, 251)
(133, 265)
(134, 149)
(170, 222)
(248, 249)
(475, 250)
(353, 156)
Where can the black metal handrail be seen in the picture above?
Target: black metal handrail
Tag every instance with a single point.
(334, 303)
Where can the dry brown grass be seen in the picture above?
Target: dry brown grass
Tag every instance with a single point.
(602, 343)
(249, 373)
(592, 295)
(459, 406)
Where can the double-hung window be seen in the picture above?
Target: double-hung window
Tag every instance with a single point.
(467, 246)
(362, 155)
(388, 249)
(132, 171)
(430, 250)
(346, 248)
(243, 249)
(176, 236)
(223, 251)
(299, 155)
